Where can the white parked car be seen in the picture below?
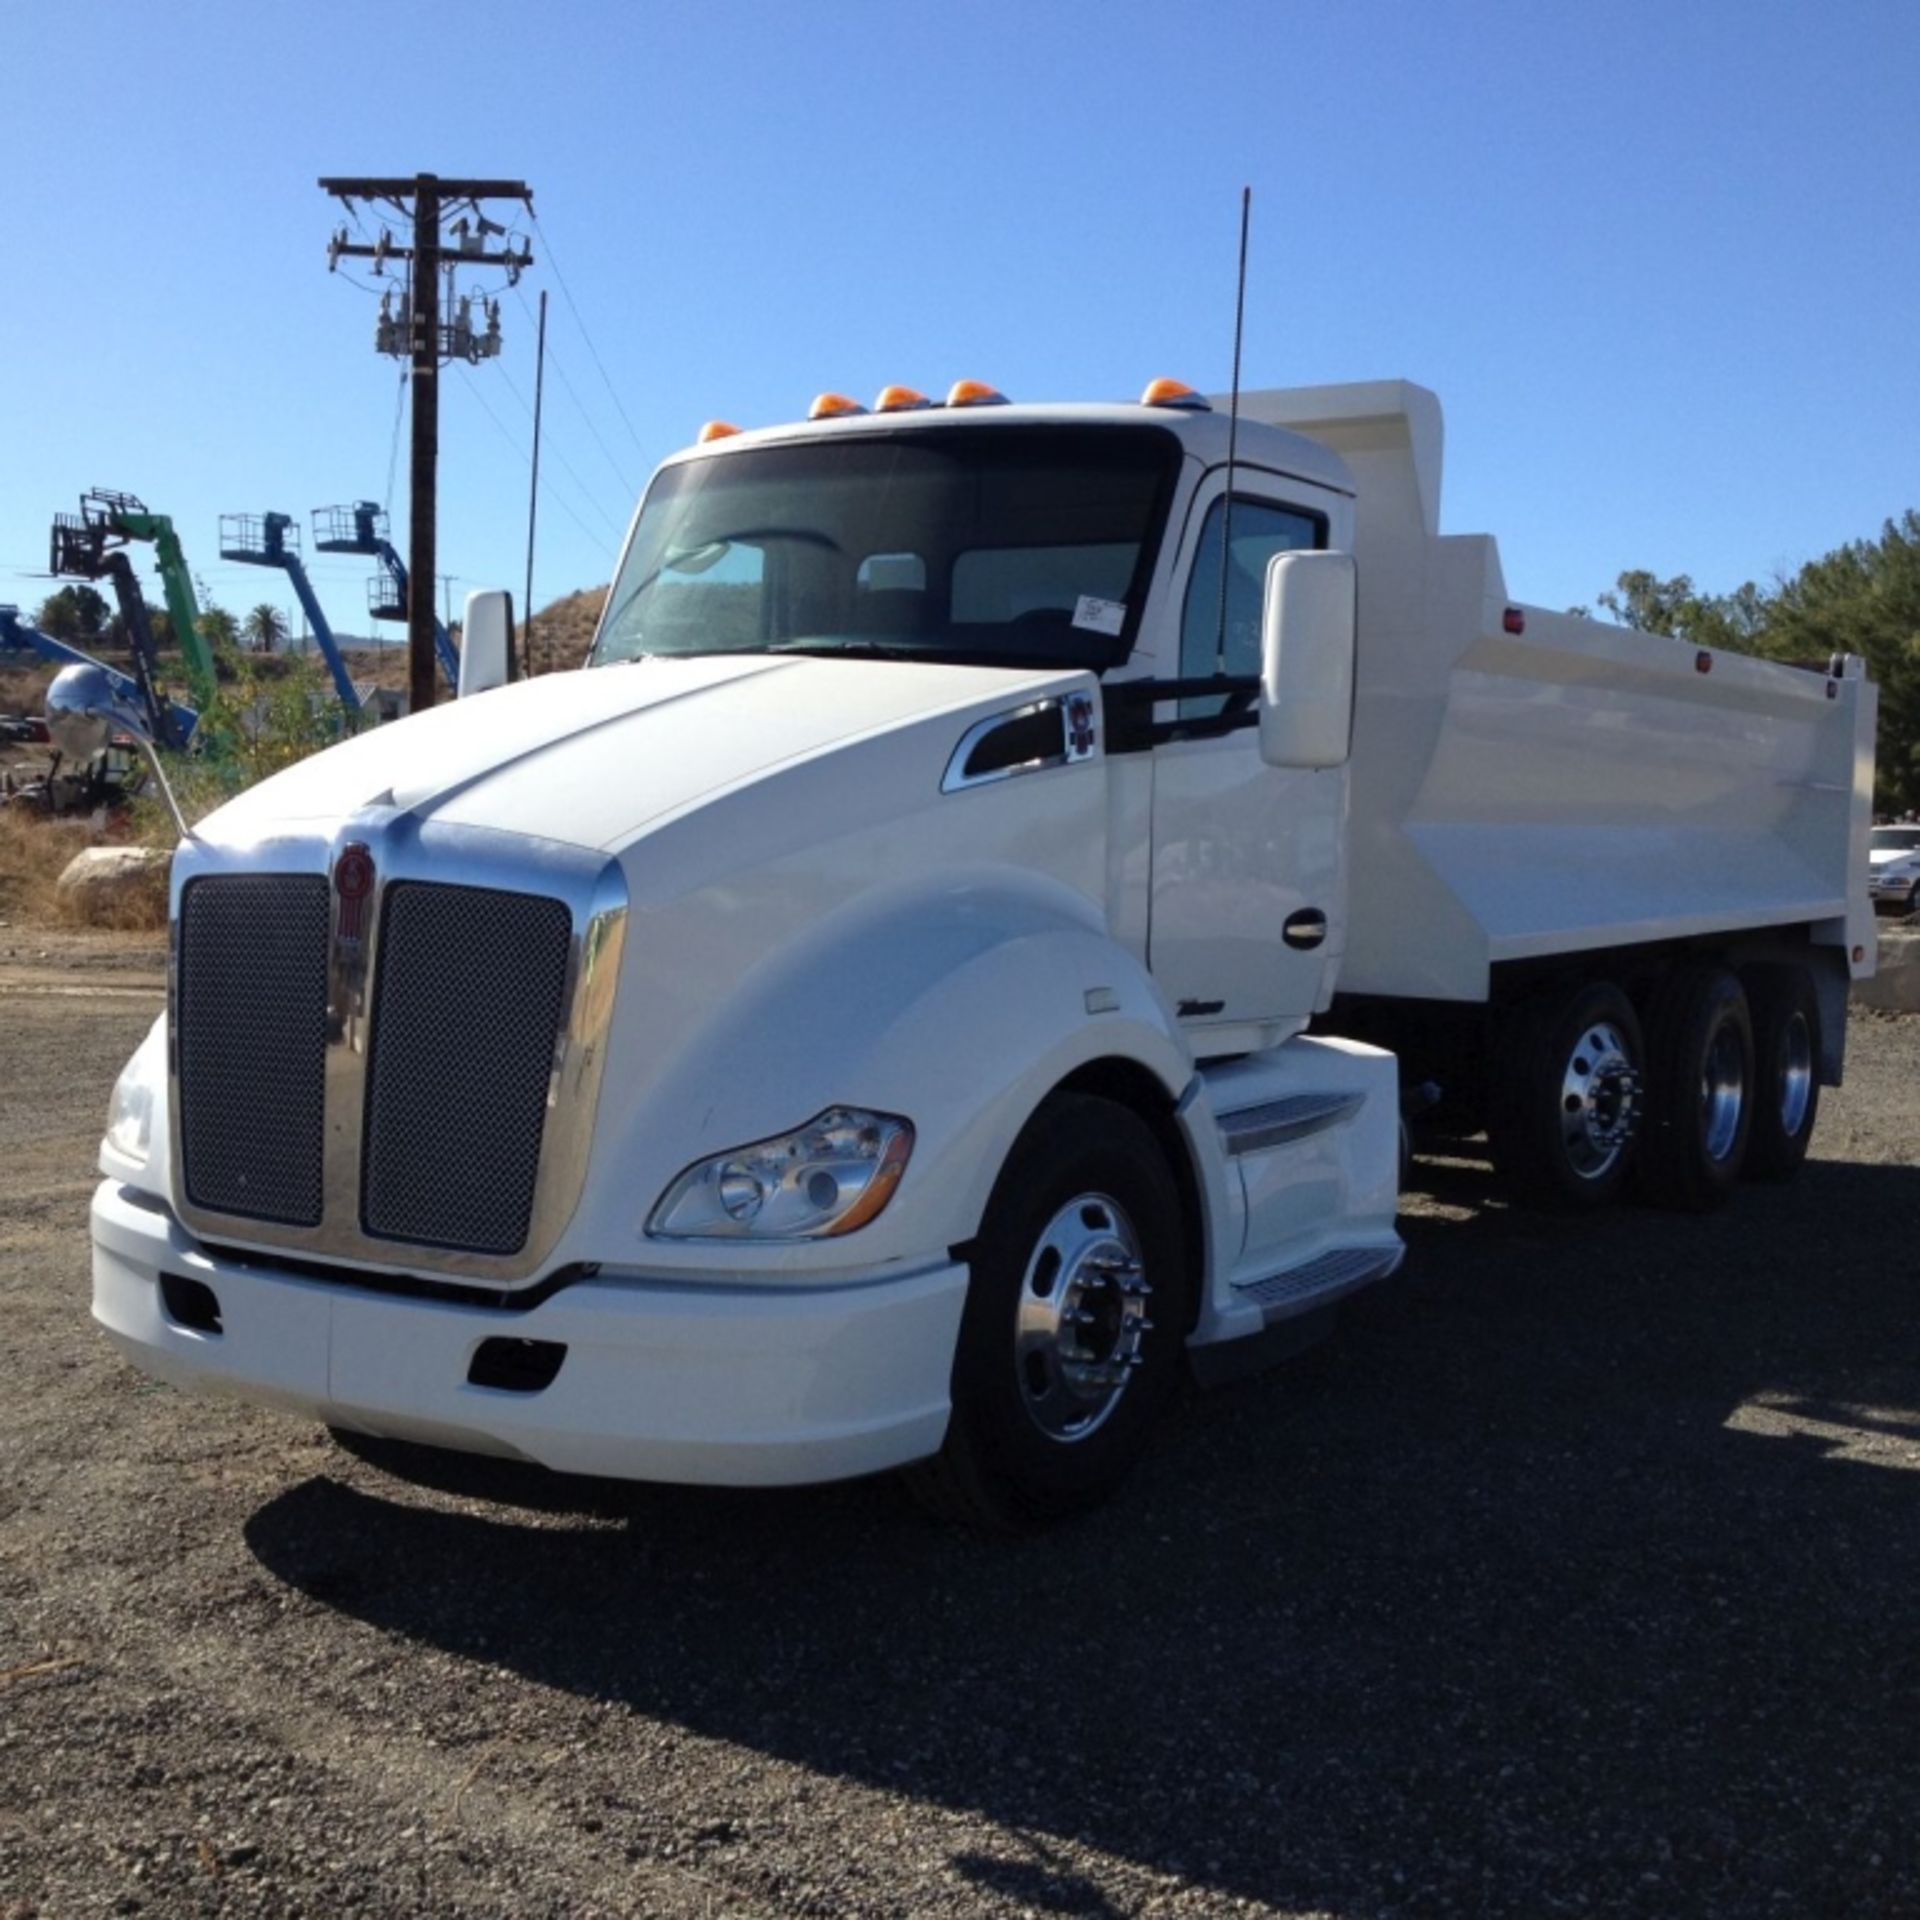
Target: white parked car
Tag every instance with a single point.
(1893, 856)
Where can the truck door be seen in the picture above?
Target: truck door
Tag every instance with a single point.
(1248, 909)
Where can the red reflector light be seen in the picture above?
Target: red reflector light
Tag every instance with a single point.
(1514, 620)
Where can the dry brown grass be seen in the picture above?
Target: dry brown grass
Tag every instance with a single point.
(34, 852)
(24, 689)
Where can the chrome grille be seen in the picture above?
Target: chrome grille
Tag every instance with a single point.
(470, 989)
(252, 1033)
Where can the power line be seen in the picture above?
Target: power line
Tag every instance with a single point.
(573, 307)
(586, 492)
(559, 499)
(585, 415)
(393, 452)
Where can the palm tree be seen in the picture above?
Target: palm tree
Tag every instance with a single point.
(265, 628)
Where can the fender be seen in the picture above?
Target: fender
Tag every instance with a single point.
(957, 1003)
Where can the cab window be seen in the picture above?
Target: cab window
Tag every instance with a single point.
(1259, 532)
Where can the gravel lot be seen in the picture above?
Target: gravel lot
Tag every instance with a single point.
(1577, 1574)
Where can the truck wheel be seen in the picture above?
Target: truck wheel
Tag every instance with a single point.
(1059, 1369)
(1566, 1104)
(1700, 1085)
(1786, 1078)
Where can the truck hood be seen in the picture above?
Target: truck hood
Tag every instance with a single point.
(592, 757)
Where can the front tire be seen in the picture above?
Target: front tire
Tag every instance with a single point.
(1075, 1319)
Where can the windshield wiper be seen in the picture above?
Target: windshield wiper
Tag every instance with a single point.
(862, 649)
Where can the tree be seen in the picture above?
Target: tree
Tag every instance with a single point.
(76, 614)
(218, 628)
(1641, 599)
(265, 628)
(1863, 598)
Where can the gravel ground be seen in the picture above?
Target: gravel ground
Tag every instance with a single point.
(1575, 1575)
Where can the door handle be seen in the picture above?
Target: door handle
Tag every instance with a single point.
(1304, 930)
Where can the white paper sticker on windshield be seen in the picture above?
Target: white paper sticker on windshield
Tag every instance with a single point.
(1099, 616)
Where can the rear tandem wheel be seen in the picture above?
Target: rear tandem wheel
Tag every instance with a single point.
(1700, 1089)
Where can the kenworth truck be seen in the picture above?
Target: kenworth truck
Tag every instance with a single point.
(960, 953)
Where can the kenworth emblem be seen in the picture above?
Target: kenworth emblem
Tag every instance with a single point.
(353, 883)
(1079, 725)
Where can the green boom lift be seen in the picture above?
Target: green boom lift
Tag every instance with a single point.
(121, 517)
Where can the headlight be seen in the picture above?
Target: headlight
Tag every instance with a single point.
(130, 1112)
(832, 1175)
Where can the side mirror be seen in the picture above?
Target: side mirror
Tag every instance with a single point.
(1306, 660)
(83, 709)
(486, 643)
(82, 712)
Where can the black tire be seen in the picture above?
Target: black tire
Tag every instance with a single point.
(1699, 1055)
(1561, 1047)
(1000, 1468)
(1786, 1055)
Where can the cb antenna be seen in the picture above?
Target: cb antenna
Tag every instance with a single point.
(1233, 434)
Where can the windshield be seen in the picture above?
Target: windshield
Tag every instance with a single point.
(1015, 546)
(1895, 839)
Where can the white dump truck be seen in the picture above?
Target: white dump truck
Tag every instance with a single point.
(960, 954)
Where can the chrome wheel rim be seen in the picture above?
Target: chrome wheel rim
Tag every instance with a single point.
(1723, 1092)
(1796, 1074)
(1599, 1100)
(1082, 1318)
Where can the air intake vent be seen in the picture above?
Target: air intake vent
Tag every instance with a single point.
(252, 1030)
(471, 989)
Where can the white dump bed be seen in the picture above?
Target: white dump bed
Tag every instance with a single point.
(1574, 784)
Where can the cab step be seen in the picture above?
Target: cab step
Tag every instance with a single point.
(1320, 1281)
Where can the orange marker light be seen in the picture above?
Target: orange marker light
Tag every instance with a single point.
(974, 393)
(900, 400)
(717, 430)
(829, 406)
(1173, 393)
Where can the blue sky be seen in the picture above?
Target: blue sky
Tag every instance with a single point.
(1659, 261)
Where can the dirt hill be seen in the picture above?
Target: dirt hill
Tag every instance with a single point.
(563, 628)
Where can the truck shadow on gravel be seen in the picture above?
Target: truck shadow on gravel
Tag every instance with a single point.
(1579, 1568)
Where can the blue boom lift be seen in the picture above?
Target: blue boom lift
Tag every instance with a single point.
(273, 540)
(362, 528)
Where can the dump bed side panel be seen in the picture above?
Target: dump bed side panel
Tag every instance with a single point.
(1587, 786)
(1573, 786)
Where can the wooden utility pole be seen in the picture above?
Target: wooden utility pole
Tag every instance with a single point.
(425, 198)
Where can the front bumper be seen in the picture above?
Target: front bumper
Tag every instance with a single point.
(723, 1385)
